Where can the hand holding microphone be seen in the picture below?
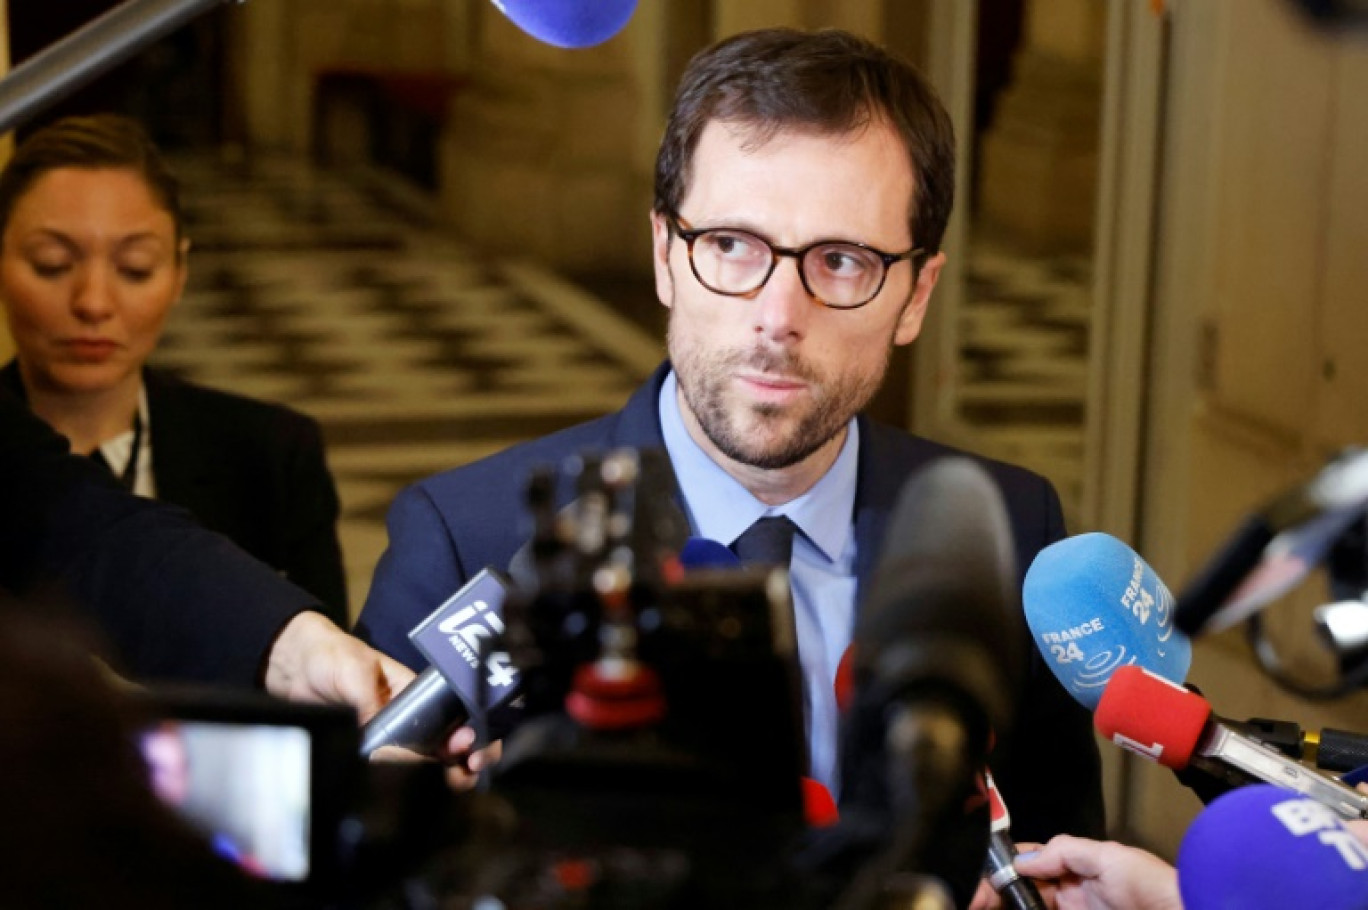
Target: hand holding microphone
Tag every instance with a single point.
(1102, 875)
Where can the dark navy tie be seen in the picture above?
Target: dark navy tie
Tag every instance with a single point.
(767, 542)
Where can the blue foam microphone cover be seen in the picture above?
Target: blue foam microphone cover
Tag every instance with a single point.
(1263, 847)
(569, 23)
(1094, 605)
(703, 553)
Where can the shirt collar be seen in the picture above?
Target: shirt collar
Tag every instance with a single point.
(721, 509)
(118, 449)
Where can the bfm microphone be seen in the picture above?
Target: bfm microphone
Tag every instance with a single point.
(568, 23)
(1161, 721)
(1017, 893)
(468, 675)
(1094, 605)
(1261, 847)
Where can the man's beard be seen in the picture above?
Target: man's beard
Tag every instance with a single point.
(704, 380)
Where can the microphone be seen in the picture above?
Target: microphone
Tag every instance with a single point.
(1329, 749)
(1276, 547)
(1161, 721)
(568, 23)
(1094, 605)
(457, 639)
(1016, 892)
(1262, 847)
(469, 676)
(938, 660)
(703, 553)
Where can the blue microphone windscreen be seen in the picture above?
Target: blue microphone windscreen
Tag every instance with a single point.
(703, 553)
(569, 23)
(1094, 605)
(1264, 847)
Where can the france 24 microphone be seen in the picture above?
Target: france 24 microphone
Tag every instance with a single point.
(568, 23)
(1262, 847)
(1094, 605)
(468, 677)
(1154, 718)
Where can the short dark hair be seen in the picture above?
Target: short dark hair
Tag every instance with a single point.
(90, 143)
(830, 81)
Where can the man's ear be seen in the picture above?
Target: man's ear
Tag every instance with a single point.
(910, 321)
(660, 258)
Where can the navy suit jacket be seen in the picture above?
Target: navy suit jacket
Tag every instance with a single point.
(444, 529)
(250, 470)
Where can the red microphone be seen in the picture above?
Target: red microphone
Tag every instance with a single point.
(1150, 716)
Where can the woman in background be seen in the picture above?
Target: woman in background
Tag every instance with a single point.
(93, 255)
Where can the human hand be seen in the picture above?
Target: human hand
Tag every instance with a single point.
(312, 660)
(985, 898)
(1101, 875)
(463, 766)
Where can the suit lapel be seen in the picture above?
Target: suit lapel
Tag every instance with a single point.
(884, 469)
(179, 460)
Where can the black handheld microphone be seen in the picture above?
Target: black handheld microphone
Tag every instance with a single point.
(1016, 892)
(470, 673)
(939, 656)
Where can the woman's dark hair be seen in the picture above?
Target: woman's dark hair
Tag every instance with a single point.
(91, 143)
(827, 81)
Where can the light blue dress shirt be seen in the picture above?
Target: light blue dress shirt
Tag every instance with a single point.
(822, 573)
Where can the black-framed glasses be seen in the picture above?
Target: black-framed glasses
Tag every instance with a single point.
(842, 274)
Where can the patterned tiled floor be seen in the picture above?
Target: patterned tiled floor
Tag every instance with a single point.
(416, 354)
(339, 297)
(1023, 372)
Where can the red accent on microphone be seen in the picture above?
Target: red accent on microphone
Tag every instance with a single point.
(1152, 717)
(672, 570)
(616, 695)
(844, 684)
(818, 807)
(998, 819)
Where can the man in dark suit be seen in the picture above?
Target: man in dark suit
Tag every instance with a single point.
(802, 191)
